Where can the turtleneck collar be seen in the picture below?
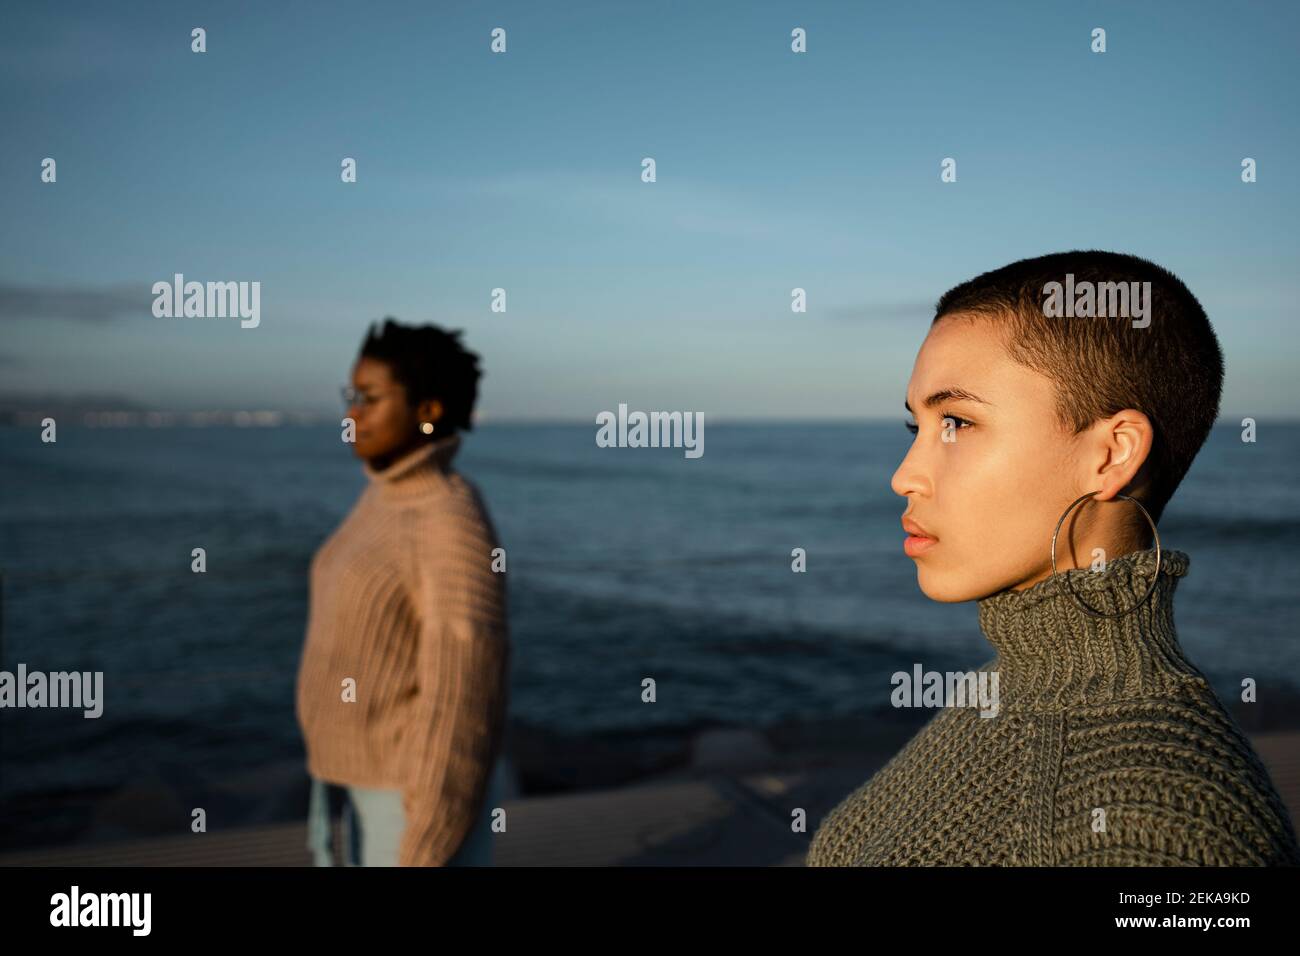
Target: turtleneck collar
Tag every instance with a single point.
(421, 470)
(1052, 654)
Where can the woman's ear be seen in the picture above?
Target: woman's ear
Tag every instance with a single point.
(430, 410)
(1126, 439)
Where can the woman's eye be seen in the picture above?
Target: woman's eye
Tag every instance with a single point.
(957, 422)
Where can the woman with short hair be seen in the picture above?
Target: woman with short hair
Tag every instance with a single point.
(1047, 445)
(402, 688)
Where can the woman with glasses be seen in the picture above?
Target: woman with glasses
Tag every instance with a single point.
(403, 684)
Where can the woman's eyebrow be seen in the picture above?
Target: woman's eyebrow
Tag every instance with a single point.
(946, 394)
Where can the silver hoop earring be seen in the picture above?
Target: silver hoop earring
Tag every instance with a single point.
(1069, 587)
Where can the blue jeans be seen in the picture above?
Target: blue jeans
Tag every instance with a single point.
(373, 821)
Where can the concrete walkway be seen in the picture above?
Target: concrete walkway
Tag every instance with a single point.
(714, 818)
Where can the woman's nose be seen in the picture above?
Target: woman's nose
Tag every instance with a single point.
(909, 478)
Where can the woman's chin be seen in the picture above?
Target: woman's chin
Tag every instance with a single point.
(945, 587)
(372, 454)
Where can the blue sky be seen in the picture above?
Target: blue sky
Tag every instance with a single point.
(522, 171)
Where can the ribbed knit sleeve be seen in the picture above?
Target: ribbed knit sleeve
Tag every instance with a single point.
(462, 665)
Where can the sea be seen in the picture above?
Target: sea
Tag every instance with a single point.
(624, 564)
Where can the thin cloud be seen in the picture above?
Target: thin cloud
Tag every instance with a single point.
(674, 205)
(79, 304)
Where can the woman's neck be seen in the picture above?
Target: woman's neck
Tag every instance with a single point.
(1086, 554)
(381, 462)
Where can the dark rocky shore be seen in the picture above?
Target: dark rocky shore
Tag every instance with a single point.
(542, 762)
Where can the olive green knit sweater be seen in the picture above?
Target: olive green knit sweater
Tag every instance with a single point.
(1108, 748)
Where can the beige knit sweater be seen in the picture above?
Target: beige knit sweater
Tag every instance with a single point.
(1109, 748)
(404, 602)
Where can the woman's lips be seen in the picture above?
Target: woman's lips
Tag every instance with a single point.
(917, 541)
(914, 545)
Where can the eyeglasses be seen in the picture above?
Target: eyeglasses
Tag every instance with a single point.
(352, 396)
